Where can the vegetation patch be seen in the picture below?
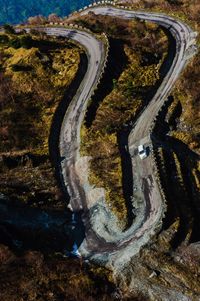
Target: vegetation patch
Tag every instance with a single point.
(33, 276)
(34, 76)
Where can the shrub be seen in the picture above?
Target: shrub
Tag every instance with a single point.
(26, 42)
(4, 39)
(9, 29)
(15, 43)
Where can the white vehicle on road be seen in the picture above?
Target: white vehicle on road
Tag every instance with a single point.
(142, 151)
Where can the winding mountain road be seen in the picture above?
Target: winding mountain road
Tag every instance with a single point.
(104, 240)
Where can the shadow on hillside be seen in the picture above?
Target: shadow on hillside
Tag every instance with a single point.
(117, 61)
(23, 227)
(181, 193)
(188, 160)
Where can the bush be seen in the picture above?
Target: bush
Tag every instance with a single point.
(4, 39)
(26, 42)
(15, 43)
(9, 29)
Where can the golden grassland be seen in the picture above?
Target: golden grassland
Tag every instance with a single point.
(33, 80)
(35, 95)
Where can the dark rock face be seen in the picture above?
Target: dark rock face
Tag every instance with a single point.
(23, 227)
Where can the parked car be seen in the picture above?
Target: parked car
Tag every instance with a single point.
(142, 152)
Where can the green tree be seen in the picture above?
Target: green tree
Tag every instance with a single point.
(9, 29)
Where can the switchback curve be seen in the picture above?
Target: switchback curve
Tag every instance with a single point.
(104, 240)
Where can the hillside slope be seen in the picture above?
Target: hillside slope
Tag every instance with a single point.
(18, 11)
(168, 269)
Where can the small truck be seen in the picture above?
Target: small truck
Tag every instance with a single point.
(142, 152)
